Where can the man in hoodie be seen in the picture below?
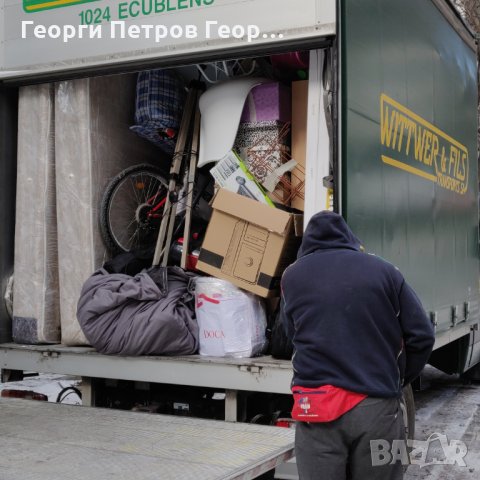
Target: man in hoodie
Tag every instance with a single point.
(360, 334)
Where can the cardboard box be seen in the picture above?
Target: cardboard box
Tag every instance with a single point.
(266, 102)
(299, 141)
(249, 244)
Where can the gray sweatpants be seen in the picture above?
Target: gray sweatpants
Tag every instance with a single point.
(340, 449)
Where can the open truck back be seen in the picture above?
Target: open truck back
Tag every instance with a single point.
(391, 143)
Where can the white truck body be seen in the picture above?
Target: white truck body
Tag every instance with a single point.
(26, 52)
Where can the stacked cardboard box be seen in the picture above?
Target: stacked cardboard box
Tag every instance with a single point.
(249, 244)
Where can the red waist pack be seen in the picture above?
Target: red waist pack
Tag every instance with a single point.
(323, 404)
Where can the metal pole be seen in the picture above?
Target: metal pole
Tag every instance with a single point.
(190, 184)
(170, 204)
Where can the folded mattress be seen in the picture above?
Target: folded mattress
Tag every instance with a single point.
(36, 314)
(93, 143)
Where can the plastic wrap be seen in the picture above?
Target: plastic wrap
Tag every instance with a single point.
(231, 321)
(36, 316)
(8, 297)
(93, 144)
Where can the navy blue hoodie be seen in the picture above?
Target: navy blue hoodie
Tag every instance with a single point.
(354, 321)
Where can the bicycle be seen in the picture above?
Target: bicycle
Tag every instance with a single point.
(131, 208)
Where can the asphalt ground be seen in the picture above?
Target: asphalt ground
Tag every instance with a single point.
(448, 413)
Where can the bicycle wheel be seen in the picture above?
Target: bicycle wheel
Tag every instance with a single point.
(132, 208)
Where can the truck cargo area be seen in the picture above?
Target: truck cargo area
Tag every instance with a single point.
(228, 376)
(240, 390)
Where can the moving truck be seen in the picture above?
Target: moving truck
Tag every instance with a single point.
(391, 144)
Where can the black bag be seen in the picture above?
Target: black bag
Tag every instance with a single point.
(130, 263)
(281, 346)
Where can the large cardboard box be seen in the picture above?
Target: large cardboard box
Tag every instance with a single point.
(299, 141)
(249, 244)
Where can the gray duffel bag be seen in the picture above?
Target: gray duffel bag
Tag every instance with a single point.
(151, 313)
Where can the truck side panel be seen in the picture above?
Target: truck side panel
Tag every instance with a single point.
(409, 154)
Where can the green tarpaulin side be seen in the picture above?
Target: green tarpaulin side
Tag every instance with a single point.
(412, 199)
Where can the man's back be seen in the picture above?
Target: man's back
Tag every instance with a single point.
(360, 333)
(349, 313)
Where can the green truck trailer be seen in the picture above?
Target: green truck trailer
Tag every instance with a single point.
(392, 128)
(408, 160)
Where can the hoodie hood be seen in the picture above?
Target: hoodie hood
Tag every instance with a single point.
(327, 230)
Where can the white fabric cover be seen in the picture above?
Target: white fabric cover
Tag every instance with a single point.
(35, 298)
(93, 143)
